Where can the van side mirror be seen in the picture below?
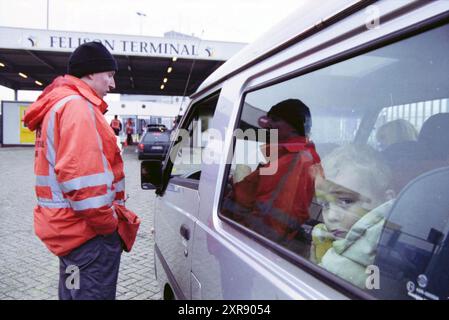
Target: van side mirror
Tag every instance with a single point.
(150, 174)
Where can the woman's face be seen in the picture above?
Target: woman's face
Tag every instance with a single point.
(347, 197)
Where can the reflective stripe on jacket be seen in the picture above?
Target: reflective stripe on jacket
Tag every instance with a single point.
(78, 166)
(282, 199)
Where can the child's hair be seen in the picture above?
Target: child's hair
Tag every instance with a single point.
(365, 162)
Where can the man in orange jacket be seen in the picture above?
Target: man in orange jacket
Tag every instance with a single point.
(116, 125)
(80, 184)
(276, 205)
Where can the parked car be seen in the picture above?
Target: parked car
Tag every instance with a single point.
(376, 225)
(154, 143)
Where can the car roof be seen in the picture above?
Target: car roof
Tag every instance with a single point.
(158, 129)
(305, 18)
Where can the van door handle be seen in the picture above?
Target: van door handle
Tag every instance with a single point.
(185, 232)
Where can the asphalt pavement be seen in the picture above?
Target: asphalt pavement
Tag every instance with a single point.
(28, 270)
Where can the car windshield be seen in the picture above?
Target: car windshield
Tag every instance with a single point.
(152, 137)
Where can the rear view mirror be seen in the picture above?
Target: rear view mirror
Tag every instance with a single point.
(150, 174)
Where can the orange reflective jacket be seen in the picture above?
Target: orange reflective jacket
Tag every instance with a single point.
(283, 199)
(79, 170)
(115, 124)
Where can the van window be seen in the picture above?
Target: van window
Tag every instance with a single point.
(403, 122)
(339, 180)
(186, 154)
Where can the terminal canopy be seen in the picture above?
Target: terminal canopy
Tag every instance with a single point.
(173, 65)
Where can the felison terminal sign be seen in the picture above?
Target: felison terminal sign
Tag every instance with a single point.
(47, 40)
(156, 48)
(30, 59)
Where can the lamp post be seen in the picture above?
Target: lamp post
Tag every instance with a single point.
(48, 11)
(141, 15)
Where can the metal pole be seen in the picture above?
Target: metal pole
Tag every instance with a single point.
(48, 10)
(141, 16)
(16, 94)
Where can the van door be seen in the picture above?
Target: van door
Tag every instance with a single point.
(177, 208)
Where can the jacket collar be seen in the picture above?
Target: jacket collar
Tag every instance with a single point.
(294, 144)
(87, 92)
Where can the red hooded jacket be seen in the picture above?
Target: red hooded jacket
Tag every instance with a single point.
(80, 183)
(282, 199)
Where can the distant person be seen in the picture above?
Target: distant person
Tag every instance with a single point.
(176, 121)
(398, 142)
(116, 125)
(129, 132)
(395, 131)
(80, 183)
(143, 127)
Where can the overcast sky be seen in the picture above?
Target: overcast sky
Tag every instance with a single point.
(225, 20)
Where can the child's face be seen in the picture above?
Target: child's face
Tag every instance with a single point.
(347, 198)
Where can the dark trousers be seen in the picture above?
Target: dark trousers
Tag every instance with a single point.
(90, 272)
(129, 139)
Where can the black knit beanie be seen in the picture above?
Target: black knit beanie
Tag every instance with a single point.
(90, 57)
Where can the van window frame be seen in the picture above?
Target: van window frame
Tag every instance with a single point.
(326, 277)
(168, 167)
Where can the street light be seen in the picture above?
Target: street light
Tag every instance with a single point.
(141, 15)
